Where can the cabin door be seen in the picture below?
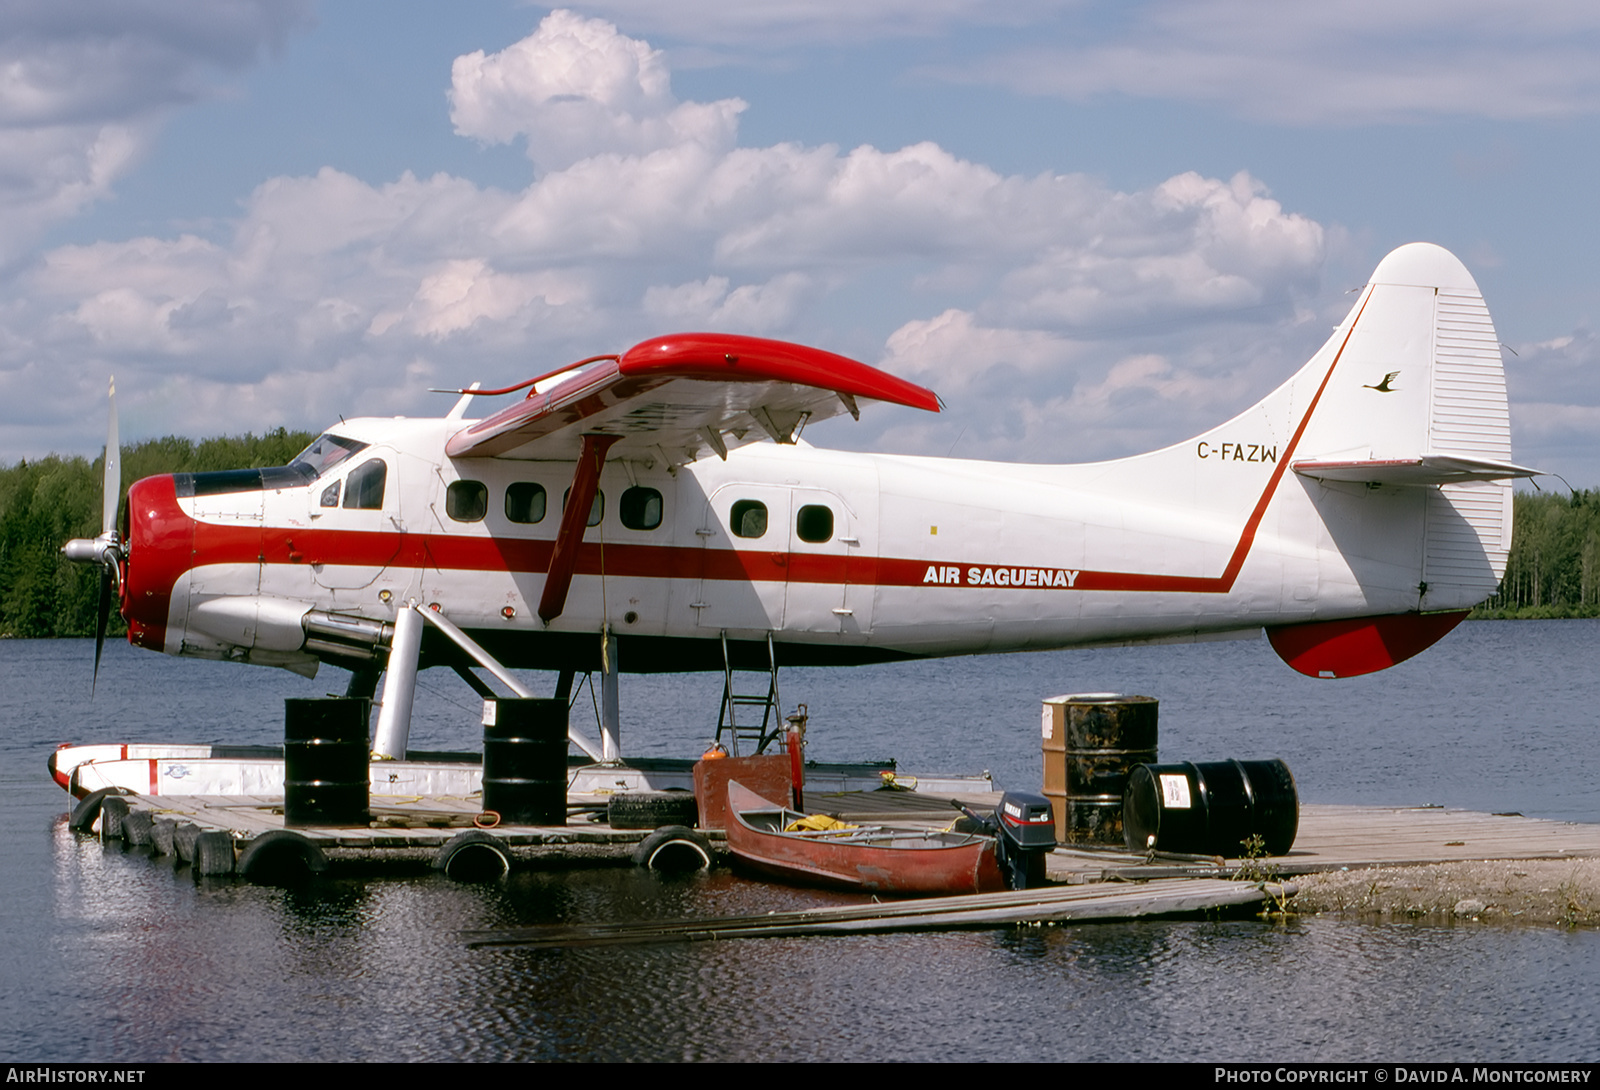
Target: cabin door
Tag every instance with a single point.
(831, 569)
(743, 560)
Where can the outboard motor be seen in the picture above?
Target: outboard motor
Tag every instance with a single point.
(1025, 833)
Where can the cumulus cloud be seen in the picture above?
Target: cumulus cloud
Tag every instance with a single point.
(576, 88)
(952, 351)
(465, 291)
(713, 303)
(1189, 245)
(334, 295)
(1033, 396)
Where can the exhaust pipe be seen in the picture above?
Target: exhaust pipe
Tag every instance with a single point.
(329, 635)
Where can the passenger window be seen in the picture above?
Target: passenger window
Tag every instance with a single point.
(330, 495)
(640, 508)
(525, 502)
(364, 491)
(814, 523)
(749, 518)
(466, 501)
(597, 509)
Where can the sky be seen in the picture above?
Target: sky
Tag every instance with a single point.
(1093, 228)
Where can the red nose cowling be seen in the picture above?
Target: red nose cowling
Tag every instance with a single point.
(160, 550)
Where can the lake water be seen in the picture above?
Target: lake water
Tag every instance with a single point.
(112, 956)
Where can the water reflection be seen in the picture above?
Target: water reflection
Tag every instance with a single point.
(160, 966)
(111, 955)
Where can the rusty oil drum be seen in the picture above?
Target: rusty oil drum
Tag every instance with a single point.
(1211, 808)
(525, 760)
(325, 778)
(1091, 743)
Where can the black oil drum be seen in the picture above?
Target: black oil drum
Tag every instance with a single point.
(1091, 742)
(1211, 808)
(525, 760)
(325, 779)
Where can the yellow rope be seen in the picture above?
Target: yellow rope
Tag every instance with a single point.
(816, 823)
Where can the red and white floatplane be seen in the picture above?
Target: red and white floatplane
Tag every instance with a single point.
(657, 510)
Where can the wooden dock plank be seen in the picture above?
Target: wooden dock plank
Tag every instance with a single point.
(1337, 836)
(1053, 905)
(1358, 837)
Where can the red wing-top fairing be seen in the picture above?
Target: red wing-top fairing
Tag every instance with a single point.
(664, 497)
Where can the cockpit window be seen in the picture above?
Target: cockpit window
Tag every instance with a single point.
(321, 456)
(363, 489)
(328, 451)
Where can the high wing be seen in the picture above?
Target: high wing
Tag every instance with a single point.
(684, 395)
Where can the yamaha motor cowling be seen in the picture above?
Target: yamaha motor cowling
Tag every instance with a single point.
(1025, 832)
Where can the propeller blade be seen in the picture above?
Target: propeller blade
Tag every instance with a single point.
(100, 625)
(111, 489)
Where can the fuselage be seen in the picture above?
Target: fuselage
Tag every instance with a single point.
(842, 557)
(1355, 512)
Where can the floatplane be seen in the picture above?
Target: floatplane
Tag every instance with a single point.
(658, 510)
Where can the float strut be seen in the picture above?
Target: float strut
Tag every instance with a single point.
(487, 661)
(399, 686)
(610, 704)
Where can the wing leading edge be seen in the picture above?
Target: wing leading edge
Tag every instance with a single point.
(684, 395)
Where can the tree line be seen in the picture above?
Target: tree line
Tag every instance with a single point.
(46, 502)
(1553, 570)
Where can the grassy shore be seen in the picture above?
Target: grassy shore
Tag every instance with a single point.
(1559, 892)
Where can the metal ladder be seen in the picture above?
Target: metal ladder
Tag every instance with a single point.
(771, 707)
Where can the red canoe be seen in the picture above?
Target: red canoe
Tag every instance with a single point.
(875, 858)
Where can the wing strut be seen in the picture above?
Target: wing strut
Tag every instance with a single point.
(574, 520)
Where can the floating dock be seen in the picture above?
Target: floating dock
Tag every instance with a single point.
(408, 832)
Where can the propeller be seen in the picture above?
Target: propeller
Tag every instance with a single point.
(107, 549)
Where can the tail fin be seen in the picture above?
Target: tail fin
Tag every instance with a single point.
(1360, 509)
(1405, 456)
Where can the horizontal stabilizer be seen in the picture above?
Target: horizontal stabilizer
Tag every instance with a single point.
(1427, 470)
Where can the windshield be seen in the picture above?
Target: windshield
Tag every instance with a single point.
(328, 451)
